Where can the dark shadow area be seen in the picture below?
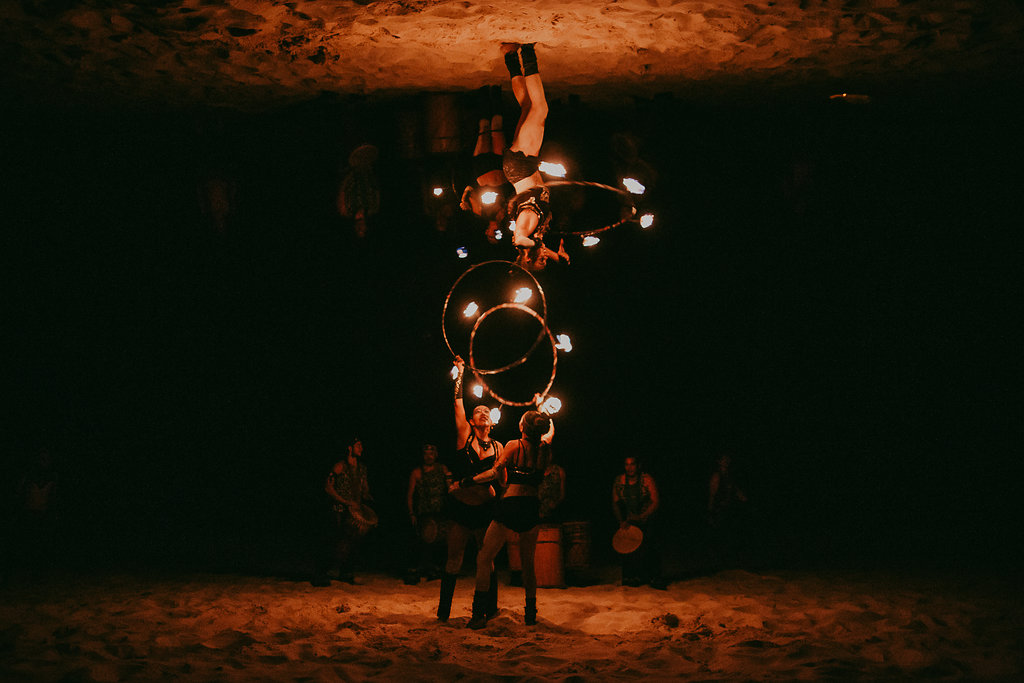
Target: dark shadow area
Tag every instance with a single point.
(194, 328)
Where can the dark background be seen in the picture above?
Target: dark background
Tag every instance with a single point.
(827, 294)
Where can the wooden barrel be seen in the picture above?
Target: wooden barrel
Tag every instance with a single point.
(547, 560)
(576, 542)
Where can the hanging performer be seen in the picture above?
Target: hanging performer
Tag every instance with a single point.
(486, 167)
(530, 208)
(470, 508)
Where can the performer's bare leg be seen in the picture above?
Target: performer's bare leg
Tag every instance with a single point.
(530, 131)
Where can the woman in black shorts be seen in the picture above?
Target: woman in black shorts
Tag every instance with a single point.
(471, 509)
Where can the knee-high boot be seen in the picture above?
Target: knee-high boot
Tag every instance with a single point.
(444, 605)
(491, 608)
(479, 618)
(530, 616)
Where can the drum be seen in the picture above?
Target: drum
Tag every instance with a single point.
(626, 540)
(547, 560)
(576, 544)
(362, 519)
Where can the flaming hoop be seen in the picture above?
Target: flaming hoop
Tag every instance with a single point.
(507, 265)
(517, 302)
(630, 197)
(479, 374)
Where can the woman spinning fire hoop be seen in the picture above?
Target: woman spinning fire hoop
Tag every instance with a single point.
(530, 208)
(471, 509)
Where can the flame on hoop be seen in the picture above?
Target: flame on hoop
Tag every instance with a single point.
(633, 185)
(489, 197)
(647, 220)
(564, 343)
(523, 295)
(552, 169)
(455, 372)
(550, 405)
(478, 391)
(462, 252)
(438, 191)
(495, 415)
(498, 234)
(471, 309)
(590, 240)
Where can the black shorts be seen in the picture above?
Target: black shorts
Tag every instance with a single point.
(472, 517)
(518, 513)
(518, 166)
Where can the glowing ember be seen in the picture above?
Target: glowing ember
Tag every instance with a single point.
(495, 415)
(498, 234)
(564, 343)
(462, 252)
(556, 170)
(590, 240)
(438, 191)
(489, 197)
(633, 185)
(551, 405)
(523, 295)
(647, 220)
(478, 390)
(471, 309)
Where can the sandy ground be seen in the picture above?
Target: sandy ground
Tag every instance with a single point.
(249, 53)
(734, 625)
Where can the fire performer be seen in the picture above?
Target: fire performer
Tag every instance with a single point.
(530, 208)
(470, 508)
(488, 197)
(523, 462)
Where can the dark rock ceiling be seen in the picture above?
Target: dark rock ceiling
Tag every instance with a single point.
(262, 53)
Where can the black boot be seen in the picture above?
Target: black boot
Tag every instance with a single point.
(529, 59)
(530, 615)
(491, 609)
(512, 64)
(479, 618)
(444, 605)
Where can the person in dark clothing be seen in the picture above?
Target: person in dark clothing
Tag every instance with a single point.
(348, 489)
(635, 500)
(425, 499)
(725, 514)
(470, 509)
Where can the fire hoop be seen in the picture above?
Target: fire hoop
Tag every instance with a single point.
(505, 265)
(541, 395)
(632, 218)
